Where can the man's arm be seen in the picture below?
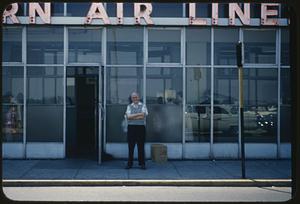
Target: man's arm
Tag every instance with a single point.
(136, 116)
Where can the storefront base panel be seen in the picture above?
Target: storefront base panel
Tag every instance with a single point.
(12, 150)
(226, 150)
(196, 150)
(285, 151)
(45, 150)
(261, 151)
(120, 150)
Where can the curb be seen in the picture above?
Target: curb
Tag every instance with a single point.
(213, 183)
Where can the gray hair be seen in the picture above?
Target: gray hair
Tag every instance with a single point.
(134, 94)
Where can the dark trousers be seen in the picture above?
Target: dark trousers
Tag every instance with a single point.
(136, 135)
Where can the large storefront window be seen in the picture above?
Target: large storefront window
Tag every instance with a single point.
(260, 96)
(124, 46)
(45, 45)
(85, 45)
(12, 44)
(121, 82)
(12, 104)
(185, 74)
(198, 49)
(225, 119)
(197, 111)
(225, 40)
(285, 47)
(164, 103)
(44, 104)
(285, 106)
(164, 46)
(260, 46)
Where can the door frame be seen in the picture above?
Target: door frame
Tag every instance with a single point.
(101, 88)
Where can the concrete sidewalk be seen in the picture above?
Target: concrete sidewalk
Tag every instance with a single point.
(174, 172)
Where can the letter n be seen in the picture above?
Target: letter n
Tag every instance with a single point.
(235, 9)
(36, 8)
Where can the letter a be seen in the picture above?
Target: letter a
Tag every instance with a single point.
(97, 11)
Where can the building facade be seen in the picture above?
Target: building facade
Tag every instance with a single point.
(68, 70)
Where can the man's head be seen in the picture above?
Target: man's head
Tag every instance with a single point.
(135, 97)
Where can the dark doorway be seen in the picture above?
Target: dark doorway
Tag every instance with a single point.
(82, 112)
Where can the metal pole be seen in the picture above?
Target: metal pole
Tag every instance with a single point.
(239, 52)
(242, 120)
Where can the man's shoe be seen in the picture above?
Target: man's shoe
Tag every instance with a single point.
(143, 167)
(128, 167)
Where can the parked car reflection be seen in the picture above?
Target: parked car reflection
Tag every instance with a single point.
(258, 121)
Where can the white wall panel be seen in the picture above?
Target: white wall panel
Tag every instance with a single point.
(45, 150)
(12, 150)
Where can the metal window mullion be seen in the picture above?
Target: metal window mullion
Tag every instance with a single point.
(165, 28)
(104, 86)
(264, 66)
(25, 8)
(164, 65)
(145, 49)
(183, 51)
(24, 60)
(279, 10)
(100, 99)
(211, 154)
(197, 66)
(65, 88)
(45, 65)
(278, 59)
(83, 64)
(145, 44)
(65, 9)
(12, 64)
(125, 65)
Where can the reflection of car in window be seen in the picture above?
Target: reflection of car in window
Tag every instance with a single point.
(266, 117)
(219, 110)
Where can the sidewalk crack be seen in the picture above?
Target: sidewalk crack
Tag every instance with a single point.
(223, 169)
(29, 169)
(176, 169)
(74, 177)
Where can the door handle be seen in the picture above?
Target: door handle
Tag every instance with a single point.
(101, 109)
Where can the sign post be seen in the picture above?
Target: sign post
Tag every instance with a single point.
(239, 58)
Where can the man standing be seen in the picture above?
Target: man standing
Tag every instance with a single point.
(136, 115)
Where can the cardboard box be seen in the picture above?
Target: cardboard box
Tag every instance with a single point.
(159, 153)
